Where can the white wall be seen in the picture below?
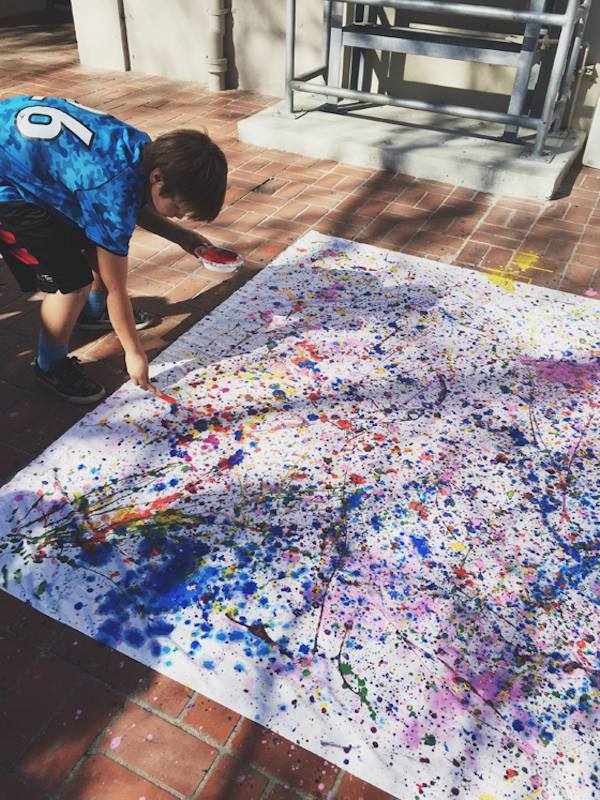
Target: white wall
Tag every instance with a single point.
(168, 38)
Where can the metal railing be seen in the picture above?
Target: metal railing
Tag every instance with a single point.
(573, 18)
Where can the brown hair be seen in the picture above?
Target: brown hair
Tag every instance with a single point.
(193, 169)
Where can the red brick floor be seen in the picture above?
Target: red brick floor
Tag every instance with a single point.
(79, 721)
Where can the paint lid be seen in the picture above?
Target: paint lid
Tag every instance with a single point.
(218, 259)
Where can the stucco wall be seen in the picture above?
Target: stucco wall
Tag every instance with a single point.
(170, 39)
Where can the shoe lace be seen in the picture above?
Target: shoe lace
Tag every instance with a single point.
(70, 368)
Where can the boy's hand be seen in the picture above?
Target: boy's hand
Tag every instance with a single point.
(137, 367)
(191, 240)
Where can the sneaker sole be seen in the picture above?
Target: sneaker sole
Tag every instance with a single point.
(78, 401)
(107, 327)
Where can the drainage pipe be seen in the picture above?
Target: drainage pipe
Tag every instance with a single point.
(217, 63)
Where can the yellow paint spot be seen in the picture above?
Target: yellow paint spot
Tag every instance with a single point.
(506, 277)
(487, 797)
(462, 548)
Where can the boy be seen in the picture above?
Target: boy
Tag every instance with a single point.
(74, 182)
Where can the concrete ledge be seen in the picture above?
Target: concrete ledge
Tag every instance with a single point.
(427, 146)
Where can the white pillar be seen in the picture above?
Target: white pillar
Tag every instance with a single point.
(101, 35)
(591, 155)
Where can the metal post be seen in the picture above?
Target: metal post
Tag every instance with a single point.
(334, 64)
(567, 80)
(326, 34)
(290, 54)
(560, 59)
(521, 83)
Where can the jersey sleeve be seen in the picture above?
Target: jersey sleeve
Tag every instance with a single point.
(109, 211)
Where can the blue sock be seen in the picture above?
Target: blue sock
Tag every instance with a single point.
(95, 305)
(49, 354)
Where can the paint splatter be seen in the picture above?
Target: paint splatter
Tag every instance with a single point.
(364, 512)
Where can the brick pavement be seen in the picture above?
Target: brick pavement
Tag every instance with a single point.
(77, 720)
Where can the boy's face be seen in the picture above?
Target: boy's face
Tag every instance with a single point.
(164, 205)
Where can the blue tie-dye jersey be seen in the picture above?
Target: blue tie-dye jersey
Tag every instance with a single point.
(82, 164)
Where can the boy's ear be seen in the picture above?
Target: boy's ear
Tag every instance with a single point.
(156, 176)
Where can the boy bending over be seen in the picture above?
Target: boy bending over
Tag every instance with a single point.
(74, 182)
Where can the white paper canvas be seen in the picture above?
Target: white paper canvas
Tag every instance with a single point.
(364, 513)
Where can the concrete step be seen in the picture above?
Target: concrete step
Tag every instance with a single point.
(429, 146)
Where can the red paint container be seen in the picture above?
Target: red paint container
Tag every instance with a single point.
(218, 259)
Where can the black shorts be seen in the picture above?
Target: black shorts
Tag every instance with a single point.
(42, 251)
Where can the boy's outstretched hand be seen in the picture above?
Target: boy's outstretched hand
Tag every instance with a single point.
(137, 367)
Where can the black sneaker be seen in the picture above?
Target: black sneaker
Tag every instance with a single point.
(67, 379)
(143, 319)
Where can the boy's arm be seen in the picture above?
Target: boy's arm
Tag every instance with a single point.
(113, 271)
(186, 238)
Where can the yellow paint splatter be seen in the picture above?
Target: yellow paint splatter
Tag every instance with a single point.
(462, 548)
(507, 277)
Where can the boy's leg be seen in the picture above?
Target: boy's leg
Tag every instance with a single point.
(58, 315)
(44, 253)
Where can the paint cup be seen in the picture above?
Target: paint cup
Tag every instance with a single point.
(218, 259)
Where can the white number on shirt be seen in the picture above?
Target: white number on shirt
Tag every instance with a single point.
(51, 122)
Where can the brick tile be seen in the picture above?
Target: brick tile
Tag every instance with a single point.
(164, 694)
(34, 627)
(400, 234)
(522, 220)
(379, 227)
(310, 215)
(472, 254)
(581, 274)
(32, 702)
(431, 201)
(572, 287)
(158, 749)
(231, 778)
(115, 668)
(10, 608)
(101, 778)
(504, 236)
(591, 182)
(495, 240)
(211, 718)
(498, 215)
(349, 184)
(558, 229)
(352, 788)
(579, 214)
(15, 658)
(586, 260)
(266, 252)
(286, 761)
(559, 248)
(60, 746)
(13, 789)
(435, 244)
(497, 258)
(514, 203)
(282, 792)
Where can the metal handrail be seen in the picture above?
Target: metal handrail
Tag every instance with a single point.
(462, 9)
(566, 22)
